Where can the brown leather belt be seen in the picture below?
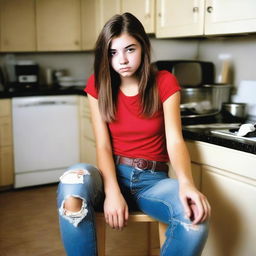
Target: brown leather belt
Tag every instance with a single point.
(142, 164)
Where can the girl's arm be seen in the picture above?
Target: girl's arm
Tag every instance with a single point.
(194, 203)
(115, 207)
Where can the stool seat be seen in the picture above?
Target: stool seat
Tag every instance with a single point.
(133, 217)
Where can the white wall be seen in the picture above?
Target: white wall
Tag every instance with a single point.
(242, 53)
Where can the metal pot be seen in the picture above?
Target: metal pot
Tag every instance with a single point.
(235, 109)
(205, 100)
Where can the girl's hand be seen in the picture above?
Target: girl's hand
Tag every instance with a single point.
(196, 205)
(116, 210)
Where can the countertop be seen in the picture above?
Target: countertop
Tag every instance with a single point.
(200, 134)
(43, 90)
(205, 135)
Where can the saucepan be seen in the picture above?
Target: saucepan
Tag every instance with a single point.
(234, 110)
(204, 100)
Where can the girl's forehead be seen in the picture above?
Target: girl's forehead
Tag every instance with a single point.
(123, 41)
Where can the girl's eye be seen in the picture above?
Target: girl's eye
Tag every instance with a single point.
(130, 49)
(112, 52)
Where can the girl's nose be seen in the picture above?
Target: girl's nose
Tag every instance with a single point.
(123, 59)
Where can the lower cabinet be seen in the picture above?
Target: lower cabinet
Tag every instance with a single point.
(87, 141)
(233, 214)
(228, 179)
(6, 144)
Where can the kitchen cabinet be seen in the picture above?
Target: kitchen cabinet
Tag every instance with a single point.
(58, 24)
(196, 173)
(94, 14)
(233, 213)
(87, 140)
(228, 179)
(197, 18)
(179, 18)
(229, 17)
(144, 10)
(6, 143)
(17, 25)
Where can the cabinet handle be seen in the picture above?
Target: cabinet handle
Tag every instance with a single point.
(209, 9)
(195, 9)
(159, 15)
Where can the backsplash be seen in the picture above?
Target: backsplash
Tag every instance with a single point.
(241, 52)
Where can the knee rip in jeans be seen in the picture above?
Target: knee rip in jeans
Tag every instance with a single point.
(189, 226)
(73, 177)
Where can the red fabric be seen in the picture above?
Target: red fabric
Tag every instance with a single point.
(133, 135)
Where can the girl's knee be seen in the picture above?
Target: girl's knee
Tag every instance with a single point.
(76, 173)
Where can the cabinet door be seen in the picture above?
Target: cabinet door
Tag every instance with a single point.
(58, 25)
(5, 107)
(233, 222)
(144, 10)
(17, 25)
(179, 18)
(196, 173)
(95, 13)
(5, 131)
(6, 166)
(230, 16)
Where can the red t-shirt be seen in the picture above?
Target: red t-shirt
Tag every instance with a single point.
(135, 136)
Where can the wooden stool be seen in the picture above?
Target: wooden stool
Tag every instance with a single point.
(133, 217)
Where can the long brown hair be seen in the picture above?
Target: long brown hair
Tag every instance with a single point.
(107, 81)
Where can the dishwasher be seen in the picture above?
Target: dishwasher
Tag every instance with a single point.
(46, 138)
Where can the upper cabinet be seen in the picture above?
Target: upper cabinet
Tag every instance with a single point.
(204, 17)
(179, 18)
(229, 16)
(58, 25)
(144, 10)
(74, 25)
(17, 25)
(95, 13)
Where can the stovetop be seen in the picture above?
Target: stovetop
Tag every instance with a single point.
(219, 131)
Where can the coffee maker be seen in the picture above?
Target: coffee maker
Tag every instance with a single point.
(26, 73)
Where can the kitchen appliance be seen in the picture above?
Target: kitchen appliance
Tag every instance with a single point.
(189, 72)
(204, 100)
(232, 133)
(27, 73)
(46, 138)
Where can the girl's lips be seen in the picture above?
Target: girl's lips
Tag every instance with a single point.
(124, 69)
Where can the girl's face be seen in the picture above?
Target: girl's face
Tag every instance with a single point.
(125, 55)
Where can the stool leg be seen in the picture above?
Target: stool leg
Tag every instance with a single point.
(162, 229)
(101, 235)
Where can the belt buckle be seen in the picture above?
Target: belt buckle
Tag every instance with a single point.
(140, 164)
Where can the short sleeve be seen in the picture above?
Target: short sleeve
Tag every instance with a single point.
(167, 84)
(90, 87)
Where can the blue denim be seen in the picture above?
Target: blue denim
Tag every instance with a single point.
(151, 192)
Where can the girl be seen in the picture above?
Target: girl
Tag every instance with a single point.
(136, 120)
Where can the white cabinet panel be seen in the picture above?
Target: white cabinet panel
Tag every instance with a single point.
(233, 220)
(230, 16)
(179, 18)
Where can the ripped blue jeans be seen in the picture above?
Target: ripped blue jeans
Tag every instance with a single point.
(148, 191)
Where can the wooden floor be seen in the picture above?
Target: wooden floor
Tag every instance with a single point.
(29, 222)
